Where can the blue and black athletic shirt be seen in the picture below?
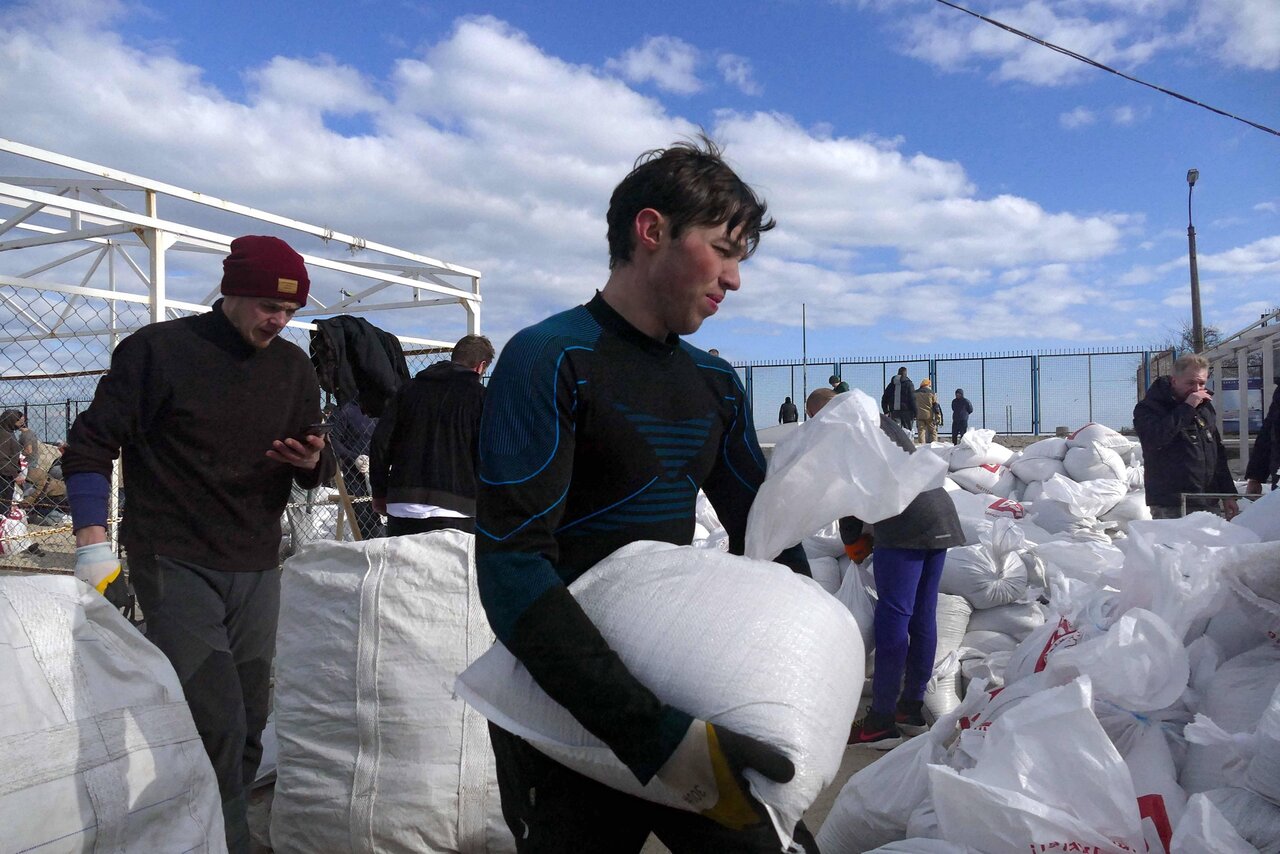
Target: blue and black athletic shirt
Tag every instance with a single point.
(595, 435)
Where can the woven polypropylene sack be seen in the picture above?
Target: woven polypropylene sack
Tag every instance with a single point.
(375, 752)
(739, 642)
(96, 741)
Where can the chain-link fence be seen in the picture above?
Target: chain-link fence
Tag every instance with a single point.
(52, 378)
(1023, 393)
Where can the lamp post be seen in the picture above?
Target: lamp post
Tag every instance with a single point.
(1197, 324)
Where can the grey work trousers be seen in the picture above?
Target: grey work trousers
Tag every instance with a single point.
(218, 629)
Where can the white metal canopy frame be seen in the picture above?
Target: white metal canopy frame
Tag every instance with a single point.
(73, 214)
(1262, 337)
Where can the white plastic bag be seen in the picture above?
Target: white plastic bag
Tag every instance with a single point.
(979, 448)
(717, 636)
(1262, 516)
(1029, 789)
(855, 595)
(839, 463)
(1085, 500)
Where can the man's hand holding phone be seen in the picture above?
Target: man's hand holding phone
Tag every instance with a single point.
(302, 451)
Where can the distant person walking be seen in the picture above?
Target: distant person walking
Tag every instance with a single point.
(899, 399)
(928, 412)
(787, 412)
(838, 385)
(961, 409)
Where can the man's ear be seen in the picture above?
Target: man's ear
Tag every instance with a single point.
(650, 227)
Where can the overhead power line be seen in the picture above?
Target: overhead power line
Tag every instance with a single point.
(1087, 61)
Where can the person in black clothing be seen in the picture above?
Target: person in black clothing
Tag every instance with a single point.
(899, 399)
(961, 409)
(599, 428)
(202, 527)
(423, 461)
(1265, 459)
(10, 457)
(1181, 448)
(350, 437)
(787, 412)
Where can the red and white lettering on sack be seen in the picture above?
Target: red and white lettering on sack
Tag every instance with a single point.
(1006, 506)
(1064, 636)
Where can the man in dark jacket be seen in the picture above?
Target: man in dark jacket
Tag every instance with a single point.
(203, 524)
(422, 465)
(1181, 448)
(961, 409)
(1265, 459)
(899, 399)
(787, 412)
(350, 436)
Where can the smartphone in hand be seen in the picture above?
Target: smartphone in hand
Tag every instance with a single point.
(313, 430)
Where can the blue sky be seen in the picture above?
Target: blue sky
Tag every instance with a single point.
(940, 186)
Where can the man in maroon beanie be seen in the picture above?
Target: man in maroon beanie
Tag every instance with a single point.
(210, 414)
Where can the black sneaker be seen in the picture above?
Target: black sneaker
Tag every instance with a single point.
(910, 718)
(876, 732)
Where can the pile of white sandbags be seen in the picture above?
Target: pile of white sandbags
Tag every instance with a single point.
(375, 751)
(1087, 746)
(1086, 486)
(96, 740)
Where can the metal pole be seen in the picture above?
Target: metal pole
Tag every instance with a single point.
(1197, 323)
(804, 358)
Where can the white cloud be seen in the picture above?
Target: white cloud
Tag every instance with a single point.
(1266, 207)
(736, 71)
(1124, 115)
(1246, 32)
(1077, 118)
(668, 62)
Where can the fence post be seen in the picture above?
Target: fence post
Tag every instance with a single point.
(1035, 395)
(984, 393)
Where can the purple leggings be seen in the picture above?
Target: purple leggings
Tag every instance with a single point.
(906, 624)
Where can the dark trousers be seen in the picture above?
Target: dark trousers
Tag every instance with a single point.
(906, 624)
(552, 809)
(904, 417)
(398, 527)
(958, 429)
(218, 629)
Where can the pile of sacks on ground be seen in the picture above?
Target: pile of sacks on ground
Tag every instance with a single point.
(1091, 693)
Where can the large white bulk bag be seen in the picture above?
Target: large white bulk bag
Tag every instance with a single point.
(376, 754)
(96, 741)
(972, 572)
(734, 641)
(1238, 693)
(1094, 462)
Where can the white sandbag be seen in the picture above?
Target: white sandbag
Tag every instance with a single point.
(1262, 516)
(1052, 448)
(840, 463)
(875, 804)
(1232, 630)
(1029, 789)
(972, 572)
(1253, 579)
(1144, 743)
(716, 636)
(1017, 619)
(1032, 469)
(992, 479)
(1033, 492)
(984, 642)
(922, 845)
(1200, 528)
(976, 512)
(1092, 562)
(1094, 463)
(1100, 434)
(1131, 508)
(943, 692)
(826, 571)
(1204, 830)
(376, 754)
(1092, 498)
(979, 448)
(1253, 758)
(1136, 476)
(1239, 692)
(95, 732)
(1254, 818)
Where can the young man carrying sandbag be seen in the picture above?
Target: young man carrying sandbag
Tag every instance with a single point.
(600, 426)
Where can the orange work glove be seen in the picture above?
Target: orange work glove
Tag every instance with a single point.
(860, 549)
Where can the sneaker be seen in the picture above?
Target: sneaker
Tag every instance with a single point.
(910, 718)
(875, 732)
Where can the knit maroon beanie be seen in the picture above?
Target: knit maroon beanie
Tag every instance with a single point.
(265, 267)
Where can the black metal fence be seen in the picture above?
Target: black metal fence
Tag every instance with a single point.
(1028, 393)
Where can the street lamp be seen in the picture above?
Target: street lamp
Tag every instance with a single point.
(1197, 324)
